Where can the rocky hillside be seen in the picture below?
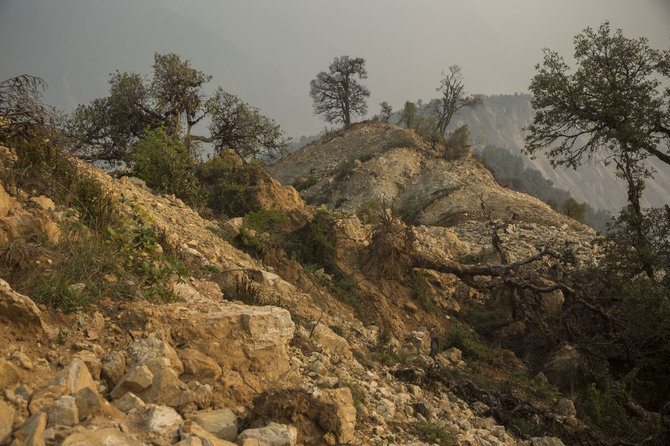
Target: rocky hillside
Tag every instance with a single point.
(352, 169)
(187, 339)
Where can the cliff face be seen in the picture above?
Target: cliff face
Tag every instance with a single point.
(500, 122)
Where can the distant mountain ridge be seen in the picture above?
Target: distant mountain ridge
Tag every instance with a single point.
(500, 122)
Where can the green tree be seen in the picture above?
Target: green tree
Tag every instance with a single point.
(409, 114)
(174, 100)
(338, 95)
(238, 126)
(573, 209)
(613, 104)
(453, 98)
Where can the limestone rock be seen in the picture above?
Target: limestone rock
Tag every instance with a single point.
(102, 437)
(45, 203)
(18, 309)
(331, 341)
(231, 228)
(7, 413)
(75, 377)
(32, 430)
(222, 423)
(128, 402)
(113, 367)
(191, 429)
(136, 380)
(199, 366)
(93, 364)
(89, 402)
(9, 374)
(46, 397)
(164, 423)
(63, 412)
(272, 435)
(150, 351)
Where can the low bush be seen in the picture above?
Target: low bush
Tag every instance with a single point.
(306, 183)
(164, 163)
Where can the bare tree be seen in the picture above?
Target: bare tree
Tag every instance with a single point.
(337, 94)
(20, 106)
(453, 98)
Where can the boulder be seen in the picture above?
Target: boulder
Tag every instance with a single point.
(272, 435)
(18, 309)
(231, 228)
(565, 368)
(320, 413)
(222, 423)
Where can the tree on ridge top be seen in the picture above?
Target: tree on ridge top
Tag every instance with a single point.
(337, 94)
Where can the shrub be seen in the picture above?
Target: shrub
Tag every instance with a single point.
(164, 163)
(370, 210)
(227, 179)
(419, 288)
(435, 433)
(469, 344)
(306, 183)
(345, 170)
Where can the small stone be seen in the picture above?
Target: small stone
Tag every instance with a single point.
(63, 412)
(201, 367)
(88, 402)
(75, 377)
(45, 398)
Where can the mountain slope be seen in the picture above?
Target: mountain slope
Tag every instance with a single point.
(500, 122)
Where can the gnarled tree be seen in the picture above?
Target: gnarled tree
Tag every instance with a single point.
(453, 98)
(20, 106)
(337, 94)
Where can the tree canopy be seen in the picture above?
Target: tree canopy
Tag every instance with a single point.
(337, 94)
(173, 99)
(613, 104)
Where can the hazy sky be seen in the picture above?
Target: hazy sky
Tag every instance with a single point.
(267, 51)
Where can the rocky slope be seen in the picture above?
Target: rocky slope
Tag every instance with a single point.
(384, 162)
(301, 368)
